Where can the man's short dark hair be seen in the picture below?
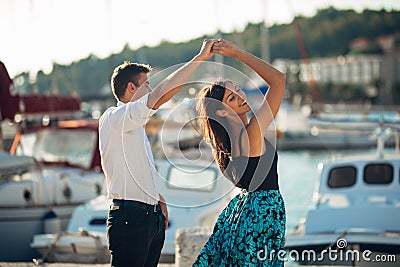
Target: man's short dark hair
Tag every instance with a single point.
(125, 73)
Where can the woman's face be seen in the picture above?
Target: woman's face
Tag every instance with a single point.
(235, 99)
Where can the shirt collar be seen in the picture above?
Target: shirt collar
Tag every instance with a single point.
(120, 103)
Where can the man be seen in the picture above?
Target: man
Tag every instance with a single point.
(138, 216)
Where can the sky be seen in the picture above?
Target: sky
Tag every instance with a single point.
(36, 33)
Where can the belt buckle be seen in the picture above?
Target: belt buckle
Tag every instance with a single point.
(114, 207)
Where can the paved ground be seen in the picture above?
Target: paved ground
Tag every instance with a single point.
(30, 264)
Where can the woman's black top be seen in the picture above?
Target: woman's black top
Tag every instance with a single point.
(255, 173)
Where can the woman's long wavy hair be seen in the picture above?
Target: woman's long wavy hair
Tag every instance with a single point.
(212, 126)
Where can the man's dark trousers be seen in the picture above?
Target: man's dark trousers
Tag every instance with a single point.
(136, 233)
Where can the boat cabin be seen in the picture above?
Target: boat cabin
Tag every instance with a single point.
(357, 194)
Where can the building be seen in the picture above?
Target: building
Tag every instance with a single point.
(363, 69)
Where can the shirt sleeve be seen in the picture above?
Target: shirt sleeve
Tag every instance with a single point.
(131, 115)
(137, 113)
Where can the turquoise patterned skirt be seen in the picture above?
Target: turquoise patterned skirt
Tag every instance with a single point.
(250, 231)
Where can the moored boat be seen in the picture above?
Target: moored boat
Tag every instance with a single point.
(64, 175)
(53, 166)
(355, 214)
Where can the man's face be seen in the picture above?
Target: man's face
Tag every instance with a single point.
(144, 87)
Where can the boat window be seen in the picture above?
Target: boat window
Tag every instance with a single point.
(342, 177)
(190, 178)
(378, 174)
(71, 146)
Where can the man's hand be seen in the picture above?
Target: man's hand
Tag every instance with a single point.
(206, 50)
(225, 48)
(165, 90)
(164, 210)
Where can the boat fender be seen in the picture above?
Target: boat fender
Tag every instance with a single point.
(27, 195)
(97, 189)
(51, 223)
(67, 192)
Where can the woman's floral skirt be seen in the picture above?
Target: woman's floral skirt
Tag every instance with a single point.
(250, 231)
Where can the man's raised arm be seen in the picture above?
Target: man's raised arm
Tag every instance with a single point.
(174, 82)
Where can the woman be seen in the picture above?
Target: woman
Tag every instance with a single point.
(251, 229)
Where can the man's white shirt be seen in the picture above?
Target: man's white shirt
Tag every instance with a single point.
(126, 156)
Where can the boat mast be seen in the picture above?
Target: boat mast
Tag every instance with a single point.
(217, 57)
(265, 54)
(304, 56)
(1, 135)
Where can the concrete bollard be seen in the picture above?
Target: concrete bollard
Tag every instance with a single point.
(189, 242)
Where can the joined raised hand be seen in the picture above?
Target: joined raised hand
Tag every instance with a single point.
(225, 48)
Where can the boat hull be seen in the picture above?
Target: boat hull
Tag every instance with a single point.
(19, 225)
(344, 249)
(79, 247)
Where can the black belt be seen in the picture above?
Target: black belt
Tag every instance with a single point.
(121, 203)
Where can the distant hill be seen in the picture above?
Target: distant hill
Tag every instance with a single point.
(328, 33)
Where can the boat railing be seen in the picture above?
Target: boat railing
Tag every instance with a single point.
(362, 199)
(382, 134)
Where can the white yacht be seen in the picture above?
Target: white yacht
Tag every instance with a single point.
(355, 214)
(335, 128)
(57, 169)
(53, 165)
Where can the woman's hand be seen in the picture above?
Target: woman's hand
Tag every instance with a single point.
(225, 48)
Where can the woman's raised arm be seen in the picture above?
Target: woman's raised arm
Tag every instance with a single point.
(262, 118)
